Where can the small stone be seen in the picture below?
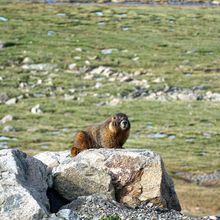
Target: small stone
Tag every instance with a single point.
(78, 49)
(135, 59)
(3, 98)
(61, 14)
(36, 109)
(39, 81)
(23, 85)
(126, 79)
(92, 58)
(51, 33)
(2, 45)
(158, 80)
(0, 76)
(72, 66)
(98, 85)
(8, 128)
(72, 91)
(40, 67)
(106, 51)
(27, 60)
(87, 62)
(99, 13)
(115, 102)
(67, 214)
(77, 58)
(6, 118)
(69, 97)
(3, 19)
(11, 101)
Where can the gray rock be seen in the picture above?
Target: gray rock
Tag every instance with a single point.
(8, 128)
(69, 97)
(53, 159)
(2, 45)
(23, 186)
(3, 19)
(137, 176)
(205, 179)
(40, 67)
(126, 79)
(72, 66)
(97, 206)
(6, 119)
(36, 109)
(102, 70)
(213, 96)
(67, 214)
(27, 60)
(73, 178)
(11, 101)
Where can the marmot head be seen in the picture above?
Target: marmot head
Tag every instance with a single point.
(119, 121)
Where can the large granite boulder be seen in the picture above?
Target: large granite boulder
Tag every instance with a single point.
(23, 186)
(131, 176)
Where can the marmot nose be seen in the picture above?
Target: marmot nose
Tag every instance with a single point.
(124, 124)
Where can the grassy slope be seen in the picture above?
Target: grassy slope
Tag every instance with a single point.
(171, 42)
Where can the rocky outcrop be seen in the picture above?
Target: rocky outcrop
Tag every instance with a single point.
(132, 184)
(137, 176)
(23, 186)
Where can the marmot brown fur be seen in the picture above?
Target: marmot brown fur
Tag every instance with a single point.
(111, 133)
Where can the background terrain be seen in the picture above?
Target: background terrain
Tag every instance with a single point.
(159, 64)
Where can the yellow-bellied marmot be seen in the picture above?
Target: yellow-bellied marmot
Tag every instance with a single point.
(111, 133)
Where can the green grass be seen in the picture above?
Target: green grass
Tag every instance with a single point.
(179, 44)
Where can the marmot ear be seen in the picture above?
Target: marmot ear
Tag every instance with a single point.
(113, 117)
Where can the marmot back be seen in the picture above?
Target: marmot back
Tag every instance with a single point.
(111, 133)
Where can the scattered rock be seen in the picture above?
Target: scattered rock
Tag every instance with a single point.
(3, 19)
(137, 176)
(3, 97)
(126, 79)
(2, 45)
(98, 206)
(114, 102)
(8, 128)
(6, 119)
(72, 66)
(23, 85)
(206, 179)
(98, 85)
(87, 62)
(61, 14)
(77, 58)
(36, 109)
(99, 13)
(69, 97)
(27, 60)
(158, 80)
(23, 186)
(40, 67)
(213, 96)
(106, 51)
(78, 49)
(51, 33)
(11, 101)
